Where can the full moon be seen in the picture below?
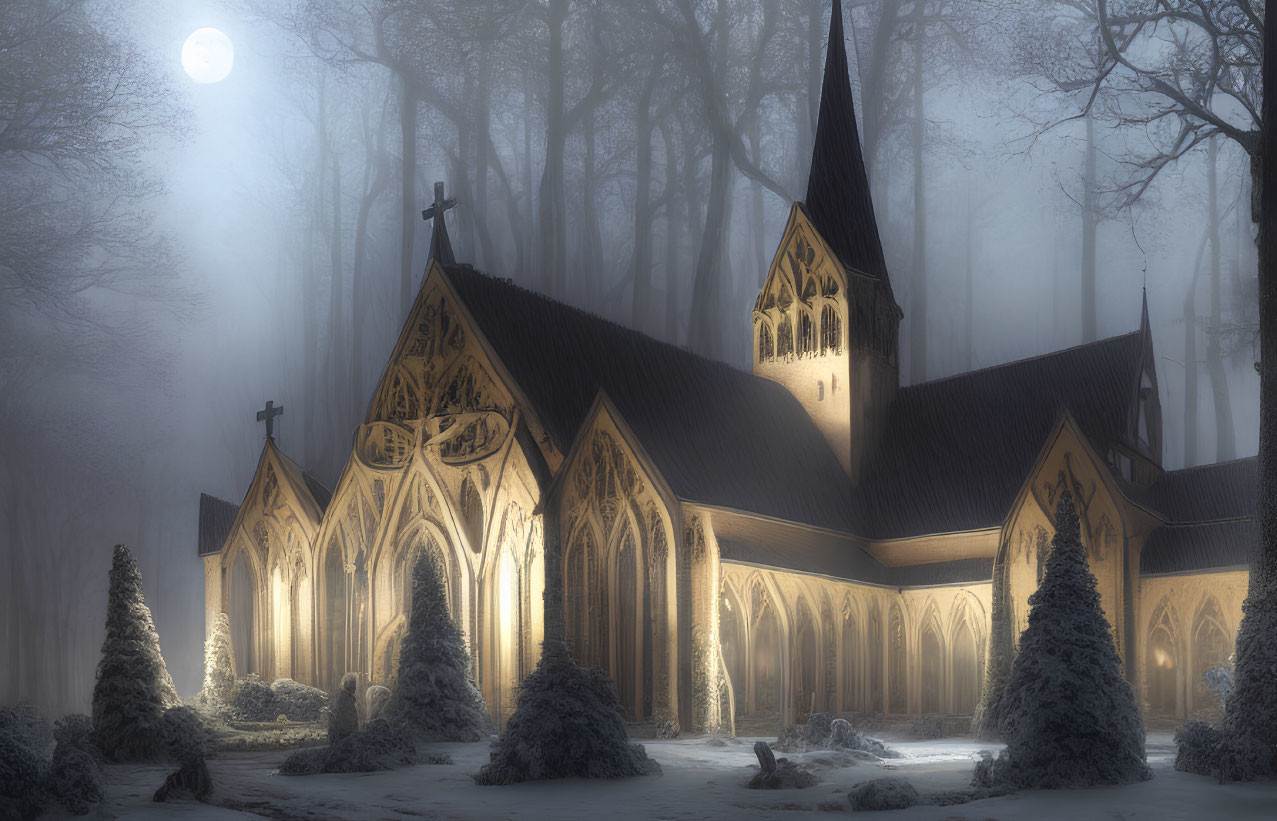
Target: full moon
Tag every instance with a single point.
(207, 55)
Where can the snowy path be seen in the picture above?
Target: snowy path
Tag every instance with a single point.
(699, 781)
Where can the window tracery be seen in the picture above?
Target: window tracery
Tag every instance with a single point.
(806, 334)
(830, 330)
(784, 337)
(766, 344)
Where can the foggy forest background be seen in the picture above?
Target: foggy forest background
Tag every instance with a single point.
(173, 255)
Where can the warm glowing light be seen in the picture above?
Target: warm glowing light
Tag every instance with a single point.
(1161, 659)
(208, 55)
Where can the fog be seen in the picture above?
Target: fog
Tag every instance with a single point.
(256, 249)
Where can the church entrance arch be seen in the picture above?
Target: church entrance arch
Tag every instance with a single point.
(243, 615)
(764, 689)
(966, 669)
(1162, 666)
(806, 663)
(931, 661)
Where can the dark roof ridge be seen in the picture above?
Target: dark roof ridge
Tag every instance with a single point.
(626, 329)
(1035, 358)
(1210, 465)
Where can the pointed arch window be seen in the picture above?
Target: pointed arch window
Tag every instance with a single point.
(830, 330)
(806, 334)
(766, 343)
(472, 515)
(784, 337)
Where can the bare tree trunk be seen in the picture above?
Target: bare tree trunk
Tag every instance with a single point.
(311, 356)
(1190, 378)
(968, 292)
(642, 260)
(1089, 220)
(407, 177)
(675, 218)
(918, 291)
(1225, 440)
(526, 238)
(483, 125)
(757, 216)
(591, 264)
(553, 200)
(335, 379)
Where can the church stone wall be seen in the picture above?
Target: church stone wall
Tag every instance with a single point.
(620, 582)
(796, 642)
(1187, 625)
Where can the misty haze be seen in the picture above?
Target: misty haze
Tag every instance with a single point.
(470, 392)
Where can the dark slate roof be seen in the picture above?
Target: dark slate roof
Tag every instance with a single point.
(838, 201)
(302, 478)
(1227, 490)
(717, 435)
(217, 517)
(853, 563)
(960, 571)
(1182, 548)
(957, 450)
(844, 562)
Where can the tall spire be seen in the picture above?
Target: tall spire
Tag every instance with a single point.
(838, 201)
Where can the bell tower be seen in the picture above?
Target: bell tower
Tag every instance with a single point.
(826, 324)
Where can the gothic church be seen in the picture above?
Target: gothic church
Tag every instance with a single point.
(737, 549)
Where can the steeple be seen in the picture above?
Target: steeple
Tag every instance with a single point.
(838, 201)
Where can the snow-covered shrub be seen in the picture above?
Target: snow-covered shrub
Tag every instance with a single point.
(26, 723)
(777, 774)
(565, 724)
(1220, 682)
(1250, 715)
(75, 776)
(133, 687)
(433, 696)
(1198, 743)
(343, 716)
(889, 793)
(376, 698)
(821, 732)
(1068, 716)
(928, 727)
(219, 669)
(252, 700)
(22, 763)
(297, 701)
(187, 740)
(379, 746)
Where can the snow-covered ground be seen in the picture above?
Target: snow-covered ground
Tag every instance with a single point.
(700, 780)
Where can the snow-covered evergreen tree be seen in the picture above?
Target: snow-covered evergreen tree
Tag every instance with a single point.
(1250, 715)
(219, 668)
(133, 687)
(1068, 715)
(988, 713)
(566, 724)
(433, 698)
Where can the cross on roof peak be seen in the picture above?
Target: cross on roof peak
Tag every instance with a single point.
(440, 245)
(268, 415)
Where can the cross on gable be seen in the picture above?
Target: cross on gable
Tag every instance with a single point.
(268, 415)
(440, 245)
(440, 205)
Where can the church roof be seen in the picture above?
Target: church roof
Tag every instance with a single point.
(718, 435)
(838, 201)
(217, 517)
(1183, 548)
(1227, 490)
(956, 451)
(305, 484)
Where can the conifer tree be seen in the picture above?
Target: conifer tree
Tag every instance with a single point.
(433, 697)
(566, 725)
(133, 687)
(1068, 714)
(219, 667)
